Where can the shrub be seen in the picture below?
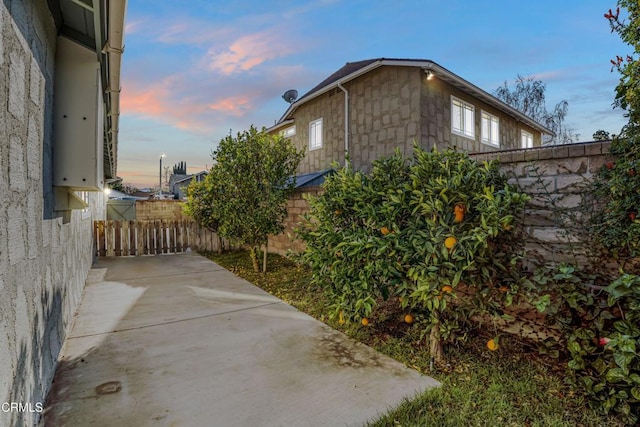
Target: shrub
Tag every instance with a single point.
(424, 231)
(601, 332)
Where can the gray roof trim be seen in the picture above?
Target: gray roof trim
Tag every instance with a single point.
(425, 64)
(280, 125)
(190, 177)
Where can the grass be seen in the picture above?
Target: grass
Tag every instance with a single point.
(513, 386)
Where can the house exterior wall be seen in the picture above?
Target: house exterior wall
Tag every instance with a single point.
(384, 113)
(435, 117)
(390, 108)
(43, 260)
(330, 108)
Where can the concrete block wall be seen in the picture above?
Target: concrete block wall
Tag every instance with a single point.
(297, 206)
(43, 260)
(159, 209)
(556, 178)
(558, 173)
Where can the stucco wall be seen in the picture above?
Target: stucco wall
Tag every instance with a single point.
(43, 261)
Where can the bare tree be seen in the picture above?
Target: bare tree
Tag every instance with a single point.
(527, 95)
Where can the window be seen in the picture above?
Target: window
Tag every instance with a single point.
(462, 118)
(289, 132)
(490, 129)
(526, 139)
(315, 134)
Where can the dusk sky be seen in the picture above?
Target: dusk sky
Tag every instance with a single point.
(194, 70)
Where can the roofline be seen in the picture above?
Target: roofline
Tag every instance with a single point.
(439, 71)
(280, 125)
(192, 176)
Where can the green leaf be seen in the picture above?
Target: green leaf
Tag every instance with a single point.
(574, 348)
(615, 375)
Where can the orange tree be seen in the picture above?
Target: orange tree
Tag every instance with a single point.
(244, 196)
(424, 230)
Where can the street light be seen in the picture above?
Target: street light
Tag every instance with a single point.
(160, 175)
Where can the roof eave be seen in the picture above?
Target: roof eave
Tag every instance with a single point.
(425, 65)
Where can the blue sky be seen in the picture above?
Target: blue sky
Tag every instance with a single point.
(194, 70)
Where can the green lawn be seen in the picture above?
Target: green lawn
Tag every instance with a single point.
(509, 387)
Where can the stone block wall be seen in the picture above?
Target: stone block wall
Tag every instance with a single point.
(556, 178)
(159, 209)
(297, 206)
(43, 260)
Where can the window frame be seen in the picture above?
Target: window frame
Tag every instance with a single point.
(523, 143)
(314, 134)
(488, 139)
(289, 132)
(467, 130)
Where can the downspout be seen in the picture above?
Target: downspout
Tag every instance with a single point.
(346, 123)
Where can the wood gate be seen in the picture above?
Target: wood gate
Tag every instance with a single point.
(133, 238)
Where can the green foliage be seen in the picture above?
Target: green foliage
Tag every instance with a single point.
(383, 235)
(244, 196)
(628, 90)
(601, 331)
(617, 226)
(601, 135)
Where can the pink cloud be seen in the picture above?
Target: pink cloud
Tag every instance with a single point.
(249, 51)
(235, 105)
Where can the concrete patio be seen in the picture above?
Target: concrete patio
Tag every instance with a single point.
(177, 340)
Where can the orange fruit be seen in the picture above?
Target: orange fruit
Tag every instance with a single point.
(449, 242)
(459, 217)
(384, 231)
(492, 345)
(365, 321)
(503, 289)
(447, 289)
(408, 318)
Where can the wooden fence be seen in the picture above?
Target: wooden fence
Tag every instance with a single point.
(133, 238)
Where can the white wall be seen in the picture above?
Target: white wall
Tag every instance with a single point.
(43, 261)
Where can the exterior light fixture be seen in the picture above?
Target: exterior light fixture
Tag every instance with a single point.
(429, 74)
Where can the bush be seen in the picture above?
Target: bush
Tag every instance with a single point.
(422, 231)
(601, 334)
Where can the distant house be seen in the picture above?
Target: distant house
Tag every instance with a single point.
(60, 89)
(179, 183)
(370, 108)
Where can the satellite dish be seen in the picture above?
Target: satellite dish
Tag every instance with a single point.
(290, 95)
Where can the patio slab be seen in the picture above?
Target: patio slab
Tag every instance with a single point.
(177, 340)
